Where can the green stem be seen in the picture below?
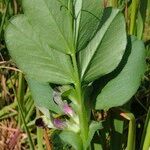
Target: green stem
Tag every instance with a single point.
(20, 97)
(145, 129)
(146, 145)
(131, 131)
(3, 18)
(40, 134)
(28, 103)
(9, 115)
(21, 88)
(80, 98)
(114, 3)
(29, 113)
(6, 110)
(26, 128)
(134, 10)
(22, 111)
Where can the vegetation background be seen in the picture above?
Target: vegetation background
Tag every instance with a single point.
(17, 110)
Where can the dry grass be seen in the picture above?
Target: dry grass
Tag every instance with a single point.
(11, 137)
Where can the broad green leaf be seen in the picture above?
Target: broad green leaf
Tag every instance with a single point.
(53, 21)
(120, 89)
(88, 16)
(42, 94)
(72, 138)
(94, 126)
(35, 57)
(104, 52)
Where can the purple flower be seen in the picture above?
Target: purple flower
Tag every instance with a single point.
(67, 109)
(63, 105)
(59, 123)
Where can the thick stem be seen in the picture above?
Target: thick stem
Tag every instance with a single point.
(131, 130)
(83, 123)
(132, 133)
(80, 98)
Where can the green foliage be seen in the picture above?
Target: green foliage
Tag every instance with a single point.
(87, 12)
(72, 139)
(74, 43)
(53, 24)
(104, 52)
(94, 126)
(42, 94)
(44, 63)
(121, 88)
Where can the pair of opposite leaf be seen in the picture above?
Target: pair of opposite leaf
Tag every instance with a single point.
(42, 40)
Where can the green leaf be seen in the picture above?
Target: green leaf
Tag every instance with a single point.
(88, 16)
(42, 94)
(53, 21)
(35, 57)
(105, 50)
(120, 89)
(94, 126)
(72, 138)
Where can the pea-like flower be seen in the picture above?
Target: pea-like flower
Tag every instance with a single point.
(68, 120)
(64, 106)
(59, 123)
